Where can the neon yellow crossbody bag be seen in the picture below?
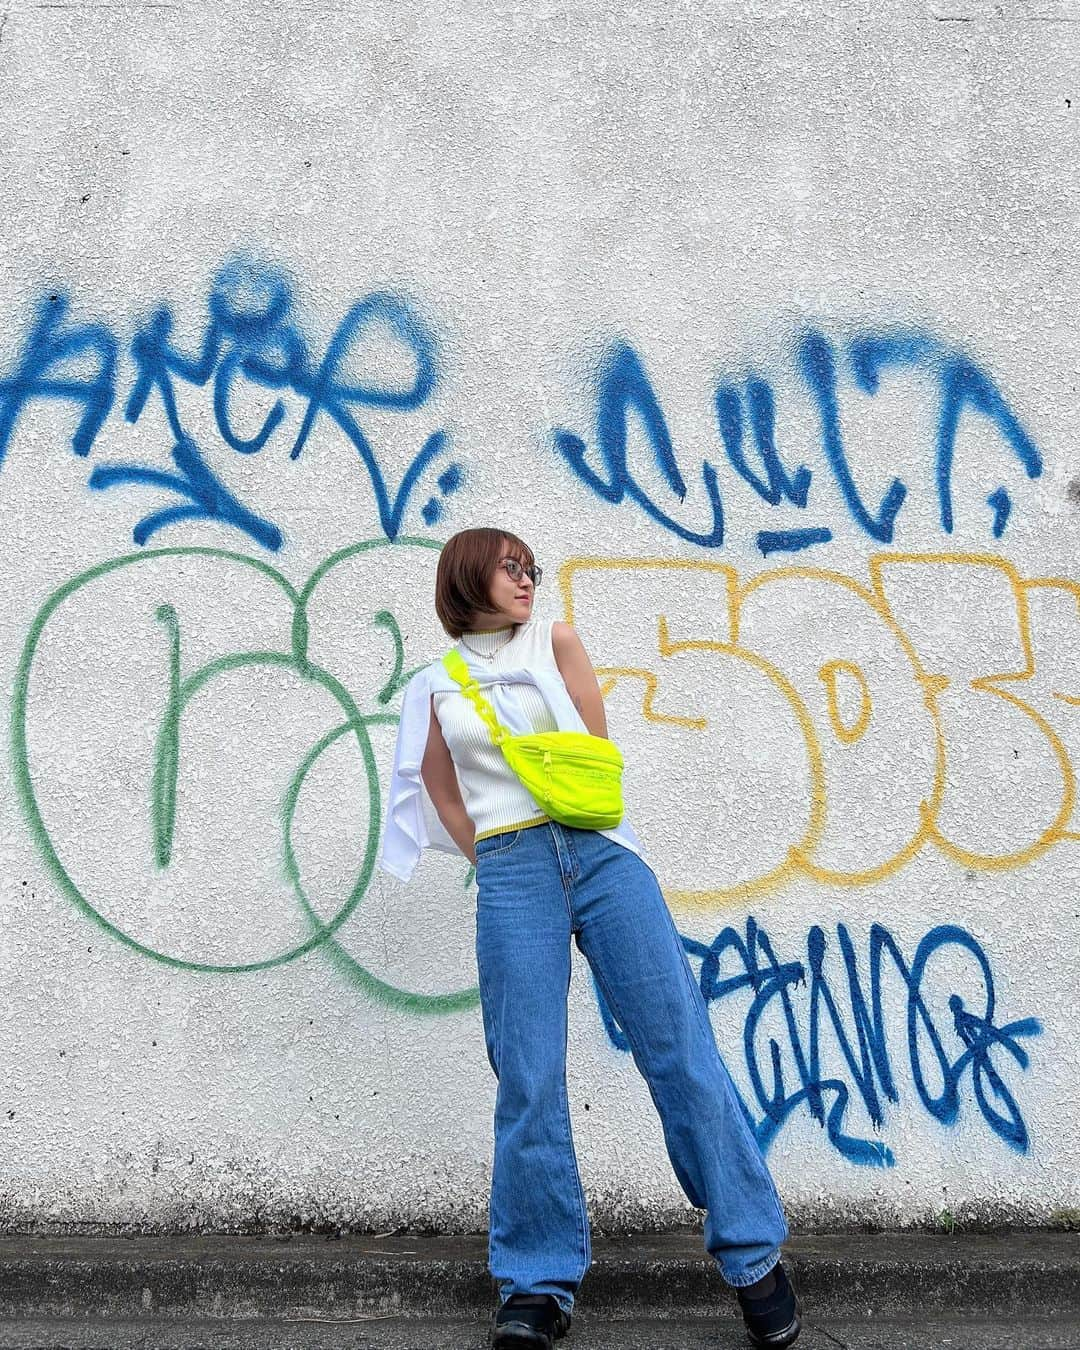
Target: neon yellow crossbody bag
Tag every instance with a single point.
(574, 777)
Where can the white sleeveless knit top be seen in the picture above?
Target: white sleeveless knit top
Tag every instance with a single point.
(494, 798)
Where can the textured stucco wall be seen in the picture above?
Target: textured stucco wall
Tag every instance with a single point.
(672, 290)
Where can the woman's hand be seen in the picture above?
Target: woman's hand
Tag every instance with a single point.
(579, 677)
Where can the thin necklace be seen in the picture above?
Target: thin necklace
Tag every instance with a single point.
(486, 655)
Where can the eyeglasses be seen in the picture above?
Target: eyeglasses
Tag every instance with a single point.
(515, 571)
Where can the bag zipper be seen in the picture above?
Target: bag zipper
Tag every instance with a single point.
(591, 755)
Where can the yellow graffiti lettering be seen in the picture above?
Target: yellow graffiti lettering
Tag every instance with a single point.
(967, 615)
(880, 785)
(714, 715)
(846, 732)
(812, 724)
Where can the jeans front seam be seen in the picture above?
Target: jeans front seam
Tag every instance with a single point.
(583, 1217)
(567, 881)
(737, 1109)
(613, 1005)
(575, 860)
(697, 998)
(488, 1014)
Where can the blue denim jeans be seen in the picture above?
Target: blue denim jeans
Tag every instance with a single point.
(537, 887)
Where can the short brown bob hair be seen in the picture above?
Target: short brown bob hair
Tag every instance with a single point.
(463, 576)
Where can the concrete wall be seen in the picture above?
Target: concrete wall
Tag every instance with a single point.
(759, 321)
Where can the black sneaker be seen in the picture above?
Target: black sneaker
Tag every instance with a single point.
(529, 1320)
(772, 1321)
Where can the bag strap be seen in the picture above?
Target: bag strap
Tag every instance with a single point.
(458, 671)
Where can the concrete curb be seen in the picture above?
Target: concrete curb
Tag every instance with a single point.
(666, 1276)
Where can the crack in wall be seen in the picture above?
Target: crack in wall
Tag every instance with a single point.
(1004, 18)
(97, 4)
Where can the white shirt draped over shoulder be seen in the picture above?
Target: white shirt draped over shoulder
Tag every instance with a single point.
(412, 823)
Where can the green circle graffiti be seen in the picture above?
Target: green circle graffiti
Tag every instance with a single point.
(167, 758)
(344, 960)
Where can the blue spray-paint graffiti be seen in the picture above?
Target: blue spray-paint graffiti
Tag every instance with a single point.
(39, 373)
(623, 390)
(209, 498)
(251, 335)
(252, 340)
(864, 1070)
(961, 383)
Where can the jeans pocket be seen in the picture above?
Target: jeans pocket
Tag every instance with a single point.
(495, 844)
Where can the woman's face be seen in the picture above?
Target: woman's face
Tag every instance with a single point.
(512, 600)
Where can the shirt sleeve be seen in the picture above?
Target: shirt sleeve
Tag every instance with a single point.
(412, 823)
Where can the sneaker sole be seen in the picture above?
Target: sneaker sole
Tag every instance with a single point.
(517, 1336)
(777, 1340)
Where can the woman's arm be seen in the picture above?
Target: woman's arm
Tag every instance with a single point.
(437, 771)
(579, 677)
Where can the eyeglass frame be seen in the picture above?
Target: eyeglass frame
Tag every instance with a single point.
(534, 573)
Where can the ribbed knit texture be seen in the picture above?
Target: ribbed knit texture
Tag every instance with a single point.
(494, 798)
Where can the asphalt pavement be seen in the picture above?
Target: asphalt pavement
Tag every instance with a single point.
(929, 1333)
(908, 1291)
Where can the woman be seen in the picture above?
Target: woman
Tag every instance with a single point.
(539, 884)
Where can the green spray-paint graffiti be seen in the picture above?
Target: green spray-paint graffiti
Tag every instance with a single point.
(136, 668)
(100, 639)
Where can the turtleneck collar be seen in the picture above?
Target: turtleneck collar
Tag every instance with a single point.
(488, 641)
